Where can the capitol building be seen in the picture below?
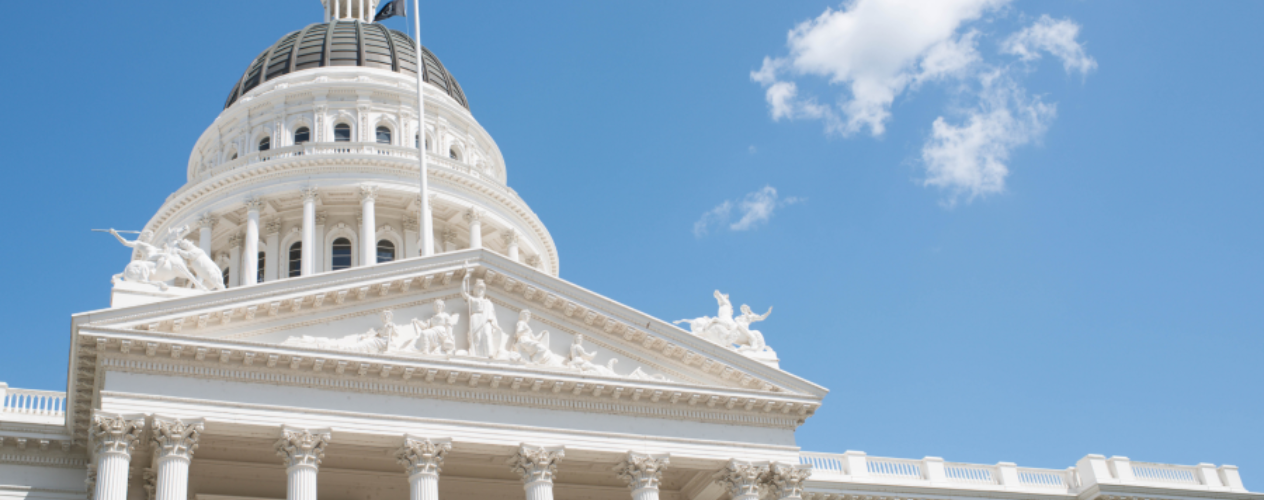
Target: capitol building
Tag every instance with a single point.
(309, 317)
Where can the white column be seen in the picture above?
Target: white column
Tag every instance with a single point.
(309, 231)
(250, 261)
(537, 466)
(743, 479)
(205, 225)
(475, 217)
(113, 438)
(423, 458)
(174, 443)
(272, 266)
(318, 249)
(511, 242)
(787, 480)
(368, 226)
(449, 240)
(302, 450)
(643, 473)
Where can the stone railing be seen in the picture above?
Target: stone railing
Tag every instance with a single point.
(856, 467)
(31, 406)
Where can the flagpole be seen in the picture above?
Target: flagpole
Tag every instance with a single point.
(427, 225)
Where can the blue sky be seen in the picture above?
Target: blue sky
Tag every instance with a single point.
(1103, 295)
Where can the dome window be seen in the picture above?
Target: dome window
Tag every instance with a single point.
(383, 135)
(296, 260)
(385, 251)
(226, 275)
(453, 154)
(265, 144)
(341, 254)
(342, 133)
(263, 262)
(303, 134)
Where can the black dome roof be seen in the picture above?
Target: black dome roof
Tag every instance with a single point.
(345, 43)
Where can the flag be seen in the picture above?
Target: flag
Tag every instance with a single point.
(391, 9)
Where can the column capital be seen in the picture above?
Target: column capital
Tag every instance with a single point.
(115, 433)
(273, 226)
(368, 193)
(310, 194)
(321, 217)
(411, 224)
(448, 236)
(787, 479)
(254, 204)
(533, 260)
(422, 455)
(512, 237)
(207, 221)
(173, 437)
(235, 240)
(536, 463)
(642, 470)
(743, 479)
(474, 215)
(302, 447)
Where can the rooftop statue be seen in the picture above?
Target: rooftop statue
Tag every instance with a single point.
(734, 333)
(156, 265)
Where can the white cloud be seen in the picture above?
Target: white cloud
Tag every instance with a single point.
(880, 49)
(877, 48)
(754, 209)
(1056, 37)
(969, 160)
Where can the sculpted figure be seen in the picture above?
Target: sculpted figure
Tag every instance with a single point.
(483, 325)
(156, 265)
(201, 264)
(720, 329)
(747, 339)
(532, 348)
(374, 341)
(435, 335)
(581, 360)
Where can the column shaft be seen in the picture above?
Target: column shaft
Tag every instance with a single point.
(540, 490)
(302, 483)
(112, 469)
(368, 226)
(423, 486)
(173, 478)
(250, 257)
(204, 238)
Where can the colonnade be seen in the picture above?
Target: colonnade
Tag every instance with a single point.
(244, 247)
(301, 450)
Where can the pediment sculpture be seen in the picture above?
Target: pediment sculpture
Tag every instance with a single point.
(176, 257)
(434, 337)
(732, 332)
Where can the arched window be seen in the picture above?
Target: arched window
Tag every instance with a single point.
(383, 135)
(296, 259)
(341, 254)
(452, 154)
(226, 274)
(233, 157)
(265, 144)
(303, 134)
(385, 251)
(342, 133)
(263, 261)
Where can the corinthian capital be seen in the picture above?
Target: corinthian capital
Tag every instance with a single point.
(743, 479)
(423, 456)
(642, 471)
(473, 215)
(536, 463)
(787, 479)
(207, 221)
(254, 204)
(113, 433)
(173, 437)
(302, 447)
(512, 237)
(368, 193)
(310, 194)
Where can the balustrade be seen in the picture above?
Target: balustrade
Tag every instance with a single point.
(32, 406)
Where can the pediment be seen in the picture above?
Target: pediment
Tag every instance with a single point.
(341, 313)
